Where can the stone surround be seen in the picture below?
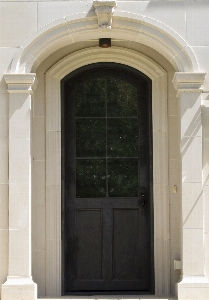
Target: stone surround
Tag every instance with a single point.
(164, 39)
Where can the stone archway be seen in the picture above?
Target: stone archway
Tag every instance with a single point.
(160, 144)
(76, 28)
(20, 84)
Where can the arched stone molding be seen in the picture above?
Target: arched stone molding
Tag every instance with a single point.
(126, 26)
(160, 159)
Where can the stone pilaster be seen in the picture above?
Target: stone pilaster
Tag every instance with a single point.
(193, 284)
(19, 284)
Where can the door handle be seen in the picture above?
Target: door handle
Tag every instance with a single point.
(143, 196)
(143, 199)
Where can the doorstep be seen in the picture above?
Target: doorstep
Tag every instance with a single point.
(112, 297)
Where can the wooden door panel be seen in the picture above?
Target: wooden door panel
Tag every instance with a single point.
(88, 244)
(126, 238)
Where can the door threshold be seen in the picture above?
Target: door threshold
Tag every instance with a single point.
(110, 297)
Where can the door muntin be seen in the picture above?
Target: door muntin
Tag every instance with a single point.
(106, 138)
(106, 133)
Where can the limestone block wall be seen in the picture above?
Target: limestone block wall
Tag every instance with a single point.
(18, 21)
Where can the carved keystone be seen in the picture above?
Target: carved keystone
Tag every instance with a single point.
(104, 11)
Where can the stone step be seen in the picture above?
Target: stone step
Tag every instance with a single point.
(147, 297)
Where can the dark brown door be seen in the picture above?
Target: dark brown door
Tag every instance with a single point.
(107, 180)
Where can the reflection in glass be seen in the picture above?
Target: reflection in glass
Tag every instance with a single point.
(121, 99)
(91, 137)
(90, 98)
(123, 177)
(122, 137)
(90, 178)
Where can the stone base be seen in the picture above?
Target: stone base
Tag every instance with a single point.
(16, 288)
(193, 288)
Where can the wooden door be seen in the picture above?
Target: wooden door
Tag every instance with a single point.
(107, 180)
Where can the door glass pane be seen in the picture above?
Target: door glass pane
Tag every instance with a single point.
(122, 137)
(106, 139)
(90, 178)
(123, 177)
(91, 98)
(121, 99)
(90, 137)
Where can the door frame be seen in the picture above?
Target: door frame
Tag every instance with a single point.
(136, 75)
(160, 159)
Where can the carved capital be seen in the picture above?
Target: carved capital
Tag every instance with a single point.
(21, 83)
(104, 11)
(188, 82)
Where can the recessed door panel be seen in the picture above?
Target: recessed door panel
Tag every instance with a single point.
(126, 250)
(88, 244)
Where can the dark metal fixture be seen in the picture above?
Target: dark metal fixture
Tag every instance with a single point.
(105, 42)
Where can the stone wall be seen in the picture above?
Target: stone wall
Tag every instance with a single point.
(187, 23)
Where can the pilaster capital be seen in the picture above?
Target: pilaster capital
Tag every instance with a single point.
(104, 10)
(188, 82)
(21, 83)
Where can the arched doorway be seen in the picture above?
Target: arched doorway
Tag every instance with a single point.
(31, 55)
(53, 172)
(107, 180)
